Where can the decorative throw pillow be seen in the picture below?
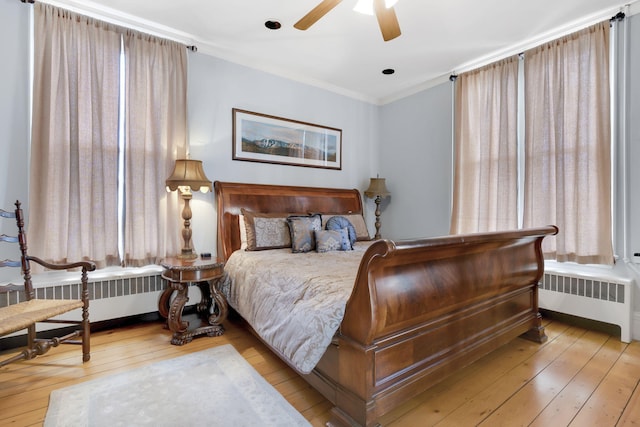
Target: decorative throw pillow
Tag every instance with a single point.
(302, 232)
(266, 230)
(332, 240)
(243, 232)
(339, 222)
(357, 220)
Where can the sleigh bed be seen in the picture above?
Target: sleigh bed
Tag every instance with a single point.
(416, 311)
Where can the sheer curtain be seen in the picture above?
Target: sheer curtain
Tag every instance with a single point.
(486, 159)
(74, 148)
(156, 114)
(568, 145)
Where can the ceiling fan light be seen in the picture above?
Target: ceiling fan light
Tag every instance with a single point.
(366, 6)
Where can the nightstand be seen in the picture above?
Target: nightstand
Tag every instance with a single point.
(212, 309)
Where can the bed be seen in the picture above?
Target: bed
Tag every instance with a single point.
(417, 310)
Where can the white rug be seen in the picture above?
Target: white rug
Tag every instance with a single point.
(214, 387)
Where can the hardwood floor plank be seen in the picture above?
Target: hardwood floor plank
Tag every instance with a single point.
(478, 407)
(318, 414)
(516, 384)
(524, 405)
(443, 398)
(305, 399)
(568, 402)
(29, 418)
(451, 393)
(605, 406)
(446, 397)
(631, 414)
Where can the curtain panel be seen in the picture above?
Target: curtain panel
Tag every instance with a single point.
(74, 143)
(486, 149)
(156, 135)
(568, 145)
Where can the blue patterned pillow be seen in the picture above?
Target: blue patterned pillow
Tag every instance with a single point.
(302, 230)
(339, 222)
(332, 240)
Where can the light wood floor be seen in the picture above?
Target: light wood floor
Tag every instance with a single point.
(578, 377)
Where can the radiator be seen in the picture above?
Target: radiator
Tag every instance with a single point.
(600, 299)
(110, 297)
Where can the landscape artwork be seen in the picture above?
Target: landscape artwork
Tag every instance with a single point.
(264, 138)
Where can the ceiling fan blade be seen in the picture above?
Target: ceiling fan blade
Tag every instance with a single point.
(316, 13)
(387, 20)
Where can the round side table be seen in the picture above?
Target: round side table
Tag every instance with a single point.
(212, 309)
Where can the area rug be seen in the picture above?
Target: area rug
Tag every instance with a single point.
(214, 387)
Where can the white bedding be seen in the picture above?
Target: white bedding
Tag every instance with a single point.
(294, 301)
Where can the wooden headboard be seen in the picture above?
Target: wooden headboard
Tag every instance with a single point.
(231, 197)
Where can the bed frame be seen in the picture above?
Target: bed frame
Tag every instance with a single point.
(420, 309)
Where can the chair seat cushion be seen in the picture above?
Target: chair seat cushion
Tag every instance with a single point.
(19, 316)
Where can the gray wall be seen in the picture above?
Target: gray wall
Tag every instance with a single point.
(14, 115)
(14, 102)
(412, 135)
(634, 136)
(216, 86)
(415, 148)
(633, 180)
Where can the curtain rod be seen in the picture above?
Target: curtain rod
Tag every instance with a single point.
(558, 33)
(192, 48)
(617, 17)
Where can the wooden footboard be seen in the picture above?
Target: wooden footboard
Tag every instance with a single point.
(419, 311)
(422, 309)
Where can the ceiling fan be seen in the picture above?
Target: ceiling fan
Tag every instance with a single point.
(387, 19)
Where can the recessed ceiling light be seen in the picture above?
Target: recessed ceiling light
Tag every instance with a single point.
(272, 25)
(388, 71)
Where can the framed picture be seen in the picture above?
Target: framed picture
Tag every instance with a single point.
(269, 139)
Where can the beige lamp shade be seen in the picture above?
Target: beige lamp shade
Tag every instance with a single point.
(377, 187)
(189, 173)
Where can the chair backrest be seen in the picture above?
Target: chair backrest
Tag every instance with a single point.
(21, 239)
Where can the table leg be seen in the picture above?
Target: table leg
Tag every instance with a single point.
(205, 298)
(165, 300)
(219, 305)
(174, 319)
(209, 317)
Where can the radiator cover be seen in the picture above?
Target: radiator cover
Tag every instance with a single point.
(600, 299)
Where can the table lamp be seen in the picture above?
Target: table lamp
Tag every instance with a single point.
(378, 190)
(188, 175)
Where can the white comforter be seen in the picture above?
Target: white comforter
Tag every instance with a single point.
(294, 301)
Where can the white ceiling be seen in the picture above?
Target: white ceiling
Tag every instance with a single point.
(344, 51)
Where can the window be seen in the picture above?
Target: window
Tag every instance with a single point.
(78, 110)
(485, 187)
(566, 178)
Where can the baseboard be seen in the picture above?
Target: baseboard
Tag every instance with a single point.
(17, 341)
(635, 321)
(582, 322)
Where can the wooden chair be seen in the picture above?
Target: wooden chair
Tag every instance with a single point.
(31, 310)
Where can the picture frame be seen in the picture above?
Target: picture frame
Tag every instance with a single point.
(269, 139)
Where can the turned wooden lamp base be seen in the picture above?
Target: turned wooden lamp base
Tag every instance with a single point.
(377, 189)
(187, 251)
(378, 223)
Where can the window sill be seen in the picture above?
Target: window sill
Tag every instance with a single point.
(62, 277)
